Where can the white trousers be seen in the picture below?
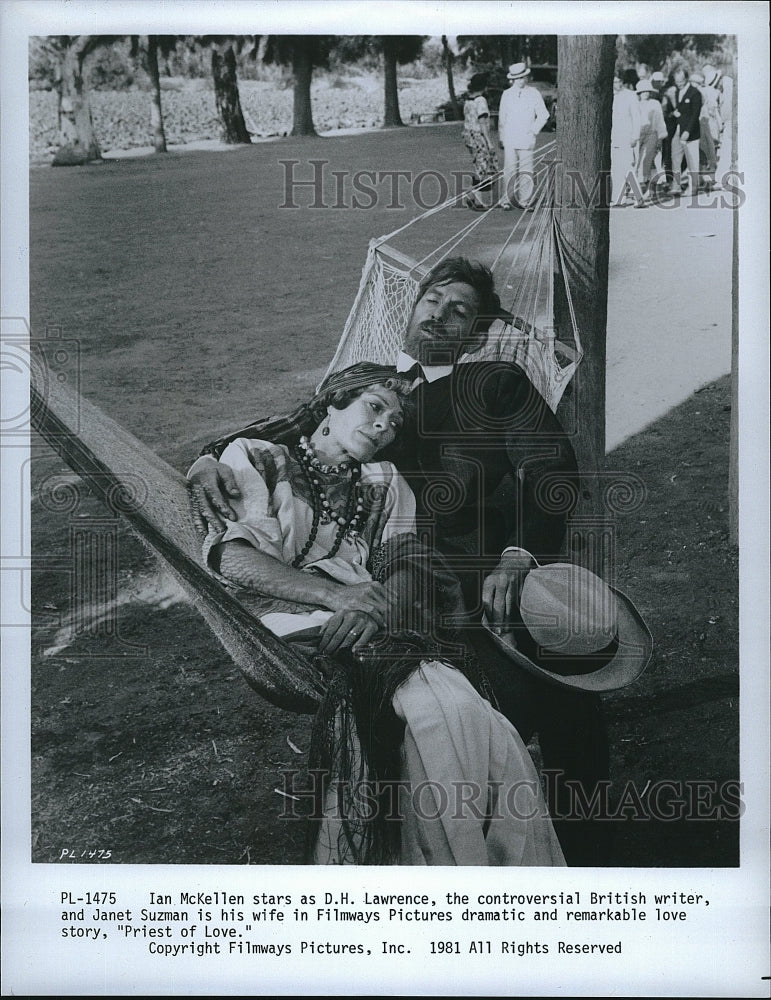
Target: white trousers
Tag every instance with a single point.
(518, 179)
(621, 167)
(690, 150)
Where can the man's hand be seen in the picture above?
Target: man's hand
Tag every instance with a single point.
(210, 484)
(347, 629)
(502, 588)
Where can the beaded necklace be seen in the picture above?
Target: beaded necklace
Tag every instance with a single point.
(323, 511)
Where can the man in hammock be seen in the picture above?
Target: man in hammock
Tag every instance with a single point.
(490, 466)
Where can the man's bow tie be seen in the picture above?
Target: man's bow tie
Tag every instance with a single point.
(413, 372)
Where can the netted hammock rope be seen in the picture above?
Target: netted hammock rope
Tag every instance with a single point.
(119, 468)
(527, 263)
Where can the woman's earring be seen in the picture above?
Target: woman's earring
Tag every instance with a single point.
(325, 430)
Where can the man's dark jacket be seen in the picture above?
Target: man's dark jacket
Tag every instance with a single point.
(488, 459)
(689, 106)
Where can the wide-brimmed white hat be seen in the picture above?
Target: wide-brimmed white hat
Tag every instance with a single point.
(645, 87)
(575, 631)
(518, 70)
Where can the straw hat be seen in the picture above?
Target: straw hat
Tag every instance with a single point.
(575, 631)
(518, 70)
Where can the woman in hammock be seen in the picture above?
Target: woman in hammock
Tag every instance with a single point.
(324, 530)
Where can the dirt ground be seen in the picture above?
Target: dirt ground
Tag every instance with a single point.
(190, 302)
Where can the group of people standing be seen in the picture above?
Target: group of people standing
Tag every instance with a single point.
(660, 126)
(665, 135)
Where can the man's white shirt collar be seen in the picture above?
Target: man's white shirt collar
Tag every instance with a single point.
(431, 373)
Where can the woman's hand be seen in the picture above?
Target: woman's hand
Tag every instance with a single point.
(347, 630)
(210, 484)
(365, 598)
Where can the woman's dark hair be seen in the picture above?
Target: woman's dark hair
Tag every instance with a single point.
(477, 83)
(341, 398)
(470, 272)
(341, 388)
(344, 397)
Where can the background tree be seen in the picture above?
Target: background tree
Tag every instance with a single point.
(156, 109)
(733, 456)
(396, 49)
(77, 139)
(145, 49)
(225, 77)
(448, 58)
(302, 53)
(658, 52)
(586, 64)
(482, 51)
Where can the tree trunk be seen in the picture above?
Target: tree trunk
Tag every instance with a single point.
(77, 140)
(262, 48)
(586, 66)
(156, 114)
(223, 66)
(733, 454)
(392, 117)
(449, 59)
(302, 70)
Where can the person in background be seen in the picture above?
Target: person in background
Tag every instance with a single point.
(725, 89)
(711, 123)
(652, 132)
(521, 116)
(476, 136)
(686, 111)
(624, 136)
(658, 81)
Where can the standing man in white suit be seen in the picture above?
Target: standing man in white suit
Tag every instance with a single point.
(521, 116)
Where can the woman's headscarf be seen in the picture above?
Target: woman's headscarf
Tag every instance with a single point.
(305, 419)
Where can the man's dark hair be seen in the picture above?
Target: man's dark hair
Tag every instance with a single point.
(470, 272)
(629, 78)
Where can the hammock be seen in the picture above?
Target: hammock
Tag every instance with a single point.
(112, 461)
(530, 258)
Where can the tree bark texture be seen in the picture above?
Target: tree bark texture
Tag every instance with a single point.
(223, 65)
(302, 70)
(156, 113)
(733, 454)
(392, 118)
(586, 66)
(449, 59)
(77, 139)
